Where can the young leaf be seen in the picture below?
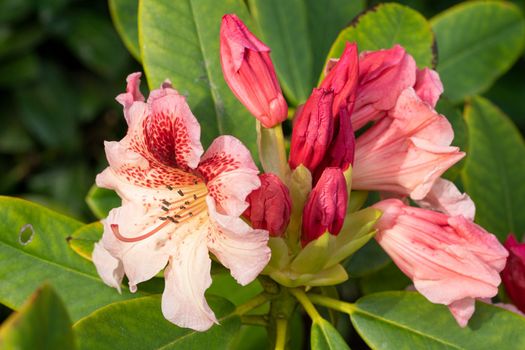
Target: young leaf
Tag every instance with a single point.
(325, 337)
(179, 40)
(406, 320)
(495, 168)
(478, 41)
(42, 323)
(139, 324)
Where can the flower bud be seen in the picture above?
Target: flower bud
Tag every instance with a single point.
(514, 273)
(313, 130)
(325, 207)
(342, 79)
(270, 205)
(249, 72)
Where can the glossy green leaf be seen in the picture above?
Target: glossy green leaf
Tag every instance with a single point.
(386, 279)
(324, 336)
(225, 286)
(42, 323)
(34, 249)
(495, 168)
(179, 40)
(386, 25)
(125, 17)
(83, 240)
(369, 259)
(101, 201)
(478, 41)
(288, 38)
(406, 320)
(139, 324)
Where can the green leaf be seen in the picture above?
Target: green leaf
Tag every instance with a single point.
(369, 259)
(101, 201)
(325, 336)
(388, 278)
(83, 240)
(224, 285)
(139, 324)
(43, 254)
(406, 320)
(287, 36)
(186, 51)
(495, 168)
(478, 41)
(124, 14)
(42, 323)
(386, 25)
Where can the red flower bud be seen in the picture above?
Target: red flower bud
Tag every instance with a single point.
(514, 273)
(313, 130)
(325, 207)
(249, 72)
(270, 205)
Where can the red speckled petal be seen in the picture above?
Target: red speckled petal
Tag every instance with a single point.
(230, 173)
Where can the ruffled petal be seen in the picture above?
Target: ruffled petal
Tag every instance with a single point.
(132, 94)
(230, 174)
(237, 246)
(187, 278)
(445, 197)
(109, 268)
(462, 310)
(428, 86)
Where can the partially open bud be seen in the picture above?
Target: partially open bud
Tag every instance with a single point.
(325, 207)
(249, 72)
(342, 79)
(270, 205)
(313, 130)
(514, 273)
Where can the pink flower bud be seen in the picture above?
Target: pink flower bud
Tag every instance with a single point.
(451, 260)
(270, 205)
(342, 79)
(514, 273)
(313, 130)
(249, 72)
(325, 207)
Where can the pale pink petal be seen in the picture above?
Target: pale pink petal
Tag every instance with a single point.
(428, 86)
(462, 310)
(445, 197)
(109, 268)
(237, 246)
(230, 173)
(509, 307)
(131, 95)
(187, 278)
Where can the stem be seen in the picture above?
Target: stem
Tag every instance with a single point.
(255, 320)
(272, 151)
(251, 304)
(280, 339)
(304, 300)
(342, 306)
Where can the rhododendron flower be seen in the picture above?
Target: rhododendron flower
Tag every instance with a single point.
(406, 151)
(514, 273)
(451, 260)
(445, 197)
(177, 205)
(249, 72)
(325, 208)
(270, 205)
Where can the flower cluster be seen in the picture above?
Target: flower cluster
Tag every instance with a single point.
(179, 203)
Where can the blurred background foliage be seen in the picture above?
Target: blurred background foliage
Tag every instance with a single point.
(61, 65)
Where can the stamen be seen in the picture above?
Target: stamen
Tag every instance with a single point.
(116, 232)
(180, 193)
(169, 187)
(165, 202)
(165, 208)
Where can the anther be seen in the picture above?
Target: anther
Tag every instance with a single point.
(165, 208)
(169, 187)
(180, 193)
(165, 202)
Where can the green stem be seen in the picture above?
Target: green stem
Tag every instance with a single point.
(304, 300)
(282, 329)
(251, 304)
(255, 320)
(272, 151)
(342, 306)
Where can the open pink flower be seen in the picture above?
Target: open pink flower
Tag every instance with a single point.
(177, 206)
(451, 260)
(406, 151)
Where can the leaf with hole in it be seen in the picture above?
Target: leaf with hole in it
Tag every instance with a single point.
(125, 17)
(386, 25)
(139, 324)
(478, 41)
(43, 254)
(42, 323)
(495, 168)
(179, 40)
(325, 337)
(83, 240)
(406, 320)
(101, 201)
